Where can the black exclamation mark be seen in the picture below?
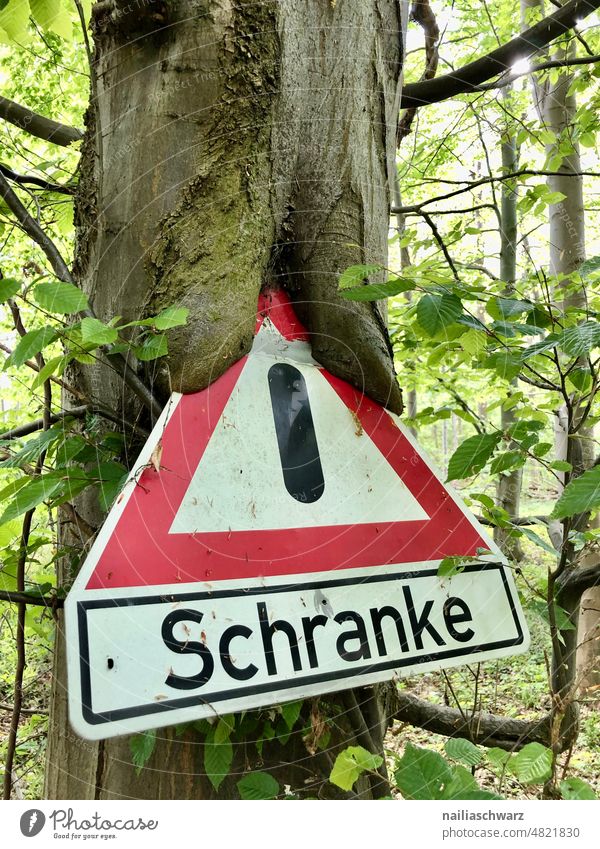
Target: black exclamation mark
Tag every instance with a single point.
(298, 449)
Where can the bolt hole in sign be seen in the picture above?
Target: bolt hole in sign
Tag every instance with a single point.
(287, 545)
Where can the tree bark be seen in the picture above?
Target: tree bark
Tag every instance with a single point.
(567, 252)
(229, 146)
(509, 484)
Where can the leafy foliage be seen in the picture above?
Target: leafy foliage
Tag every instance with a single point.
(258, 785)
(350, 765)
(141, 747)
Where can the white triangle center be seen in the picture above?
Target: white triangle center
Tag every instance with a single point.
(239, 483)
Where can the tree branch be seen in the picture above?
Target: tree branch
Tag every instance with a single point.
(543, 66)
(77, 413)
(468, 78)
(423, 14)
(30, 364)
(32, 180)
(25, 711)
(485, 729)
(442, 245)
(37, 125)
(52, 602)
(474, 184)
(11, 745)
(59, 266)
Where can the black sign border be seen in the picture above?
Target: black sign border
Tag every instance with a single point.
(93, 718)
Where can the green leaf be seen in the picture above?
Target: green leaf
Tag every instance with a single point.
(32, 449)
(356, 275)
(10, 532)
(464, 786)
(579, 496)
(500, 308)
(60, 297)
(581, 378)
(47, 371)
(112, 477)
(141, 747)
(590, 266)
(533, 764)
(52, 15)
(171, 317)
(350, 764)
(451, 566)
(459, 749)
(577, 341)
(435, 312)
(472, 455)
(290, 713)
(9, 288)
(95, 332)
(537, 540)
(422, 774)
(224, 728)
(551, 341)
(576, 788)
(521, 429)
(379, 291)
(14, 20)
(35, 491)
(561, 466)
(506, 364)
(217, 760)
(498, 757)
(561, 617)
(30, 345)
(258, 785)
(505, 461)
(152, 348)
(473, 342)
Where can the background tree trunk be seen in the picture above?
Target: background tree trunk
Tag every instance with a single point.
(509, 485)
(230, 145)
(567, 252)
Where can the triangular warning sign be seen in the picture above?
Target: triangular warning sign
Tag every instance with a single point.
(277, 468)
(279, 537)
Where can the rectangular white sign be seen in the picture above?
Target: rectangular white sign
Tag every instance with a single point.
(149, 653)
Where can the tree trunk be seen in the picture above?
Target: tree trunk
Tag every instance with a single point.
(228, 146)
(567, 252)
(509, 484)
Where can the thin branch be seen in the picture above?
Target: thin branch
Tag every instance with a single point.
(37, 125)
(463, 404)
(543, 66)
(59, 266)
(486, 729)
(51, 602)
(423, 14)
(469, 77)
(437, 236)
(473, 266)
(461, 211)
(474, 184)
(77, 413)
(59, 382)
(25, 711)
(519, 521)
(34, 231)
(11, 745)
(32, 180)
